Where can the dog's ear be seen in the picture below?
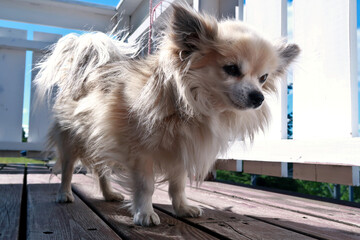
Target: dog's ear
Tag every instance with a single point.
(287, 54)
(191, 30)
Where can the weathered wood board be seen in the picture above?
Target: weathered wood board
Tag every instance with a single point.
(121, 219)
(50, 220)
(11, 186)
(334, 212)
(262, 208)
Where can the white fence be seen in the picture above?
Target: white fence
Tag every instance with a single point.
(325, 109)
(325, 103)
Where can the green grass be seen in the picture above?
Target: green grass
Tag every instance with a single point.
(20, 160)
(289, 184)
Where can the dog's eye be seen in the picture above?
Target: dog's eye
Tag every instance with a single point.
(263, 78)
(232, 70)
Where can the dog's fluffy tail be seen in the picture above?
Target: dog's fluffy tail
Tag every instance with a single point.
(71, 60)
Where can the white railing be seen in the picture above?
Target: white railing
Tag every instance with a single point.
(325, 103)
(325, 77)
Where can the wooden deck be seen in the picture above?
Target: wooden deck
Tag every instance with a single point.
(28, 211)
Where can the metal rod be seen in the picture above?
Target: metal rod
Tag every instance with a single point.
(351, 193)
(337, 192)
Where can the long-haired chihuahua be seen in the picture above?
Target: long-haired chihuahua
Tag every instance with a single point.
(162, 117)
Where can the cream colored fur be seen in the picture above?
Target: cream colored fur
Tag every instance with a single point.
(166, 116)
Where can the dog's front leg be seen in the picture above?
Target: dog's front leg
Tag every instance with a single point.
(177, 183)
(143, 189)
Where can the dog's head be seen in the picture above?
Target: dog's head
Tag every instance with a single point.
(226, 64)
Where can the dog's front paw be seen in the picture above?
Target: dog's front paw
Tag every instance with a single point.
(113, 197)
(146, 219)
(65, 197)
(188, 211)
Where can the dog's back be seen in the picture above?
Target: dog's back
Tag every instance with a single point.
(73, 58)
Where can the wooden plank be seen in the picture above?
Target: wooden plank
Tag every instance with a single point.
(306, 224)
(277, 169)
(226, 223)
(330, 211)
(10, 204)
(304, 171)
(334, 174)
(122, 221)
(50, 220)
(229, 165)
(324, 173)
(325, 83)
(263, 168)
(254, 230)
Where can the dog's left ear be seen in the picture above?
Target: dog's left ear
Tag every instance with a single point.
(287, 54)
(191, 31)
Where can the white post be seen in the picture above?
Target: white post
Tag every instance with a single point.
(40, 115)
(270, 19)
(325, 80)
(12, 75)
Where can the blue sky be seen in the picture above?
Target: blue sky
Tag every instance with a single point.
(32, 27)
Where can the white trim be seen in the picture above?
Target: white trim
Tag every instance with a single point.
(64, 13)
(239, 165)
(12, 43)
(355, 175)
(341, 151)
(19, 146)
(353, 68)
(284, 169)
(127, 7)
(196, 5)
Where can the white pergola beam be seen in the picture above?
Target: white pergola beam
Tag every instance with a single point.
(127, 7)
(59, 13)
(13, 43)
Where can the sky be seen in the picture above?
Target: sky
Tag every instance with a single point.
(32, 27)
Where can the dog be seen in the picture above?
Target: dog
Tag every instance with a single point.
(162, 117)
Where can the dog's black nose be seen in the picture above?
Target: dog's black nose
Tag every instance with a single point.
(256, 98)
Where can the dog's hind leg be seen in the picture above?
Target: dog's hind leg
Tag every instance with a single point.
(106, 189)
(177, 183)
(142, 176)
(66, 158)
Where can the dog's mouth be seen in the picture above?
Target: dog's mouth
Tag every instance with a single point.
(236, 103)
